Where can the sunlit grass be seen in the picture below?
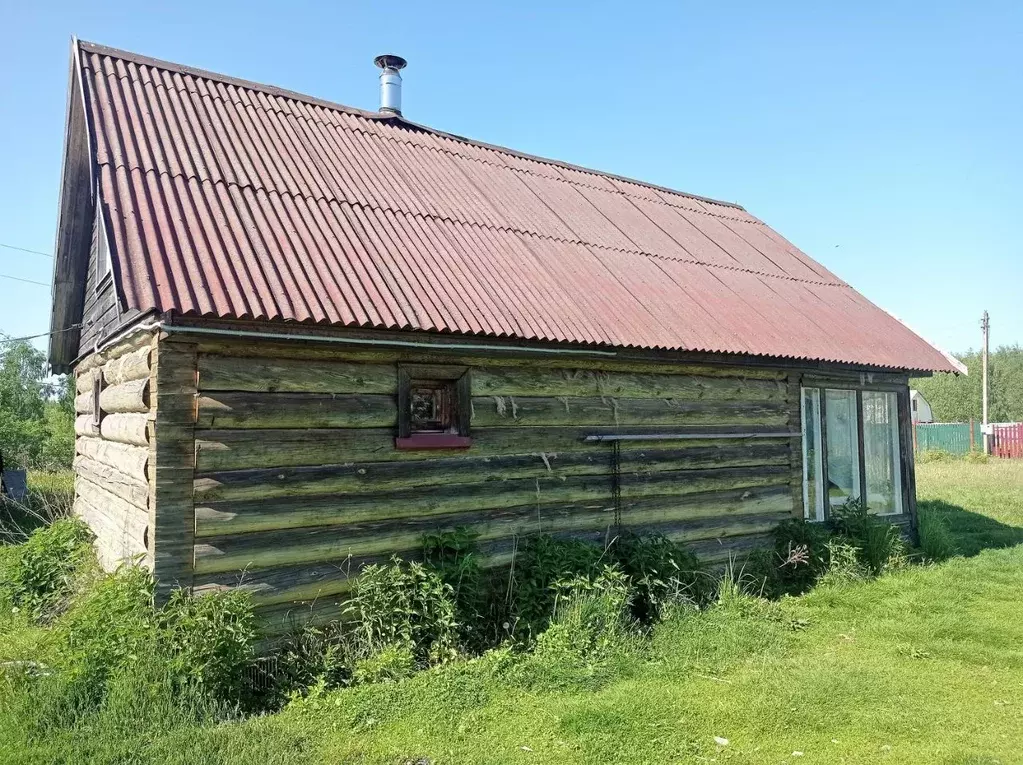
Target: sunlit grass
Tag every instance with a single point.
(921, 666)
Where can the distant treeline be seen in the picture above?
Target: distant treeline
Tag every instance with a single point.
(957, 398)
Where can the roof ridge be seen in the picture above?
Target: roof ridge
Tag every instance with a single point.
(274, 90)
(213, 95)
(461, 222)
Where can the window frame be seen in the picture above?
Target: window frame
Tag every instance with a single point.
(411, 374)
(903, 459)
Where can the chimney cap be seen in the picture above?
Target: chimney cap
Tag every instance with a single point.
(389, 61)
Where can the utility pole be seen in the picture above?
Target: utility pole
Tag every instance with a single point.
(985, 325)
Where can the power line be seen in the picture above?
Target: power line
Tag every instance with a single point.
(25, 249)
(42, 334)
(28, 281)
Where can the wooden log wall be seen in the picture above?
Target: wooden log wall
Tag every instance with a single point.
(112, 486)
(298, 484)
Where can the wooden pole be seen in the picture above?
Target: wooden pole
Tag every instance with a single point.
(973, 437)
(985, 325)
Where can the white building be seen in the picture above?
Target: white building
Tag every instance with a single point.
(919, 407)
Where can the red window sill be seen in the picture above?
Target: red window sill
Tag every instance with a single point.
(433, 441)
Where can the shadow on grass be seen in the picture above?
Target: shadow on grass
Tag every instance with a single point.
(973, 532)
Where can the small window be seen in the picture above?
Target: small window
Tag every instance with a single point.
(434, 407)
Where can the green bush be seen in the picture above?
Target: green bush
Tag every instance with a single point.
(798, 558)
(543, 561)
(936, 540)
(481, 608)
(590, 637)
(40, 574)
(210, 643)
(404, 604)
(879, 544)
(663, 574)
(844, 564)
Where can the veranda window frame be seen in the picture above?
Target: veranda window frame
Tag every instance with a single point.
(903, 460)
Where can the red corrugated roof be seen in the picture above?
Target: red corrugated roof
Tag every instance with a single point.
(233, 200)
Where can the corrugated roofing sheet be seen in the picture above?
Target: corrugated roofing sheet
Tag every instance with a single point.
(234, 200)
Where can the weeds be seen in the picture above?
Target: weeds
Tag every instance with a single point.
(404, 605)
(39, 575)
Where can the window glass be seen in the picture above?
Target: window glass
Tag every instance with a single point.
(433, 406)
(813, 483)
(842, 436)
(881, 452)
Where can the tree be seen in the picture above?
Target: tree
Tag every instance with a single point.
(36, 413)
(957, 398)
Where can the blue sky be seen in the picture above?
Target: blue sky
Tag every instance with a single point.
(884, 139)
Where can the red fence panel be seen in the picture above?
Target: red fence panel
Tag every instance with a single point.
(1007, 440)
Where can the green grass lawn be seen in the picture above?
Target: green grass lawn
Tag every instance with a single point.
(920, 666)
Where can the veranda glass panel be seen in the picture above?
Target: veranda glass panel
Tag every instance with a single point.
(843, 446)
(813, 482)
(881, 452)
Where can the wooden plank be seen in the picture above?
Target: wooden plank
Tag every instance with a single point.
(860, 449)
(320, 410)
(132, 396)
(133, 365)
(172, 460)
(283, 375)
(907, 461)
(589, 383)
(224, 449)
(243, 516)
(129, 488)
(255, 551)
(296, 410)
(330, 577)
(500, 411)
(130, 460)
(245, 347)
(126, 428)
(267, 483)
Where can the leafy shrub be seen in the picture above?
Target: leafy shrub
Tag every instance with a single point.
(797, 560)
(389, 664)
(39, 575)
(662, 573)
(879, 544)
(543, 561)
(843, 564)
(480, 608)
(591, 614)
(977, 457)
(936, 540)
(314, 657)
(935, 455)
(404, 604)
(210, 642)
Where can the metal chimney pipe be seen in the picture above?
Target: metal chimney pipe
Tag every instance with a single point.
(390, 82)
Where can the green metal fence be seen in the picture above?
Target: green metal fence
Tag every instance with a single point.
(954, 437)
